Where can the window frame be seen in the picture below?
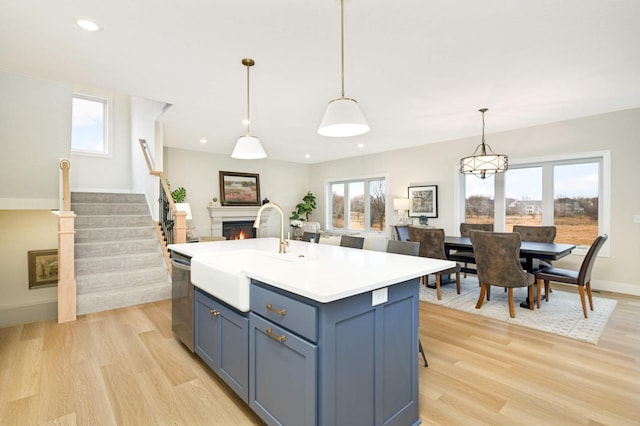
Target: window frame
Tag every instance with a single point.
(548, 162)
(367, 207)
(107, 101)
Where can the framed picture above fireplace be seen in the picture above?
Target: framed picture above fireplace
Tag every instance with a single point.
(239, 189)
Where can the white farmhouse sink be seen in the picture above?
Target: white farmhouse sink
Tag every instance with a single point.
(221, 274)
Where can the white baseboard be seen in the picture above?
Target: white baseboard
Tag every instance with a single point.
(28, 314)
(616, 287)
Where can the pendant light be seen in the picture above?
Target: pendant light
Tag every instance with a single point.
(484, 164)
(248, 147)
(343, 116)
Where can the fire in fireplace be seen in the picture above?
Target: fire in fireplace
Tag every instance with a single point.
(238, 230)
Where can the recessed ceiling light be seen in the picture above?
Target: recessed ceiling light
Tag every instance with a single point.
(203, 141)
(87, 24)
(360, 145)
(307, 156)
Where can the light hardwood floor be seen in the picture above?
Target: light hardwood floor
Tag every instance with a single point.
(124, 367)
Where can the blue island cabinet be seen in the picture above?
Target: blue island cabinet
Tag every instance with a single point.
(222, 341)
(347, 362)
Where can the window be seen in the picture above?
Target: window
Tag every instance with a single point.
(89, 124)
(568, 192)
(357, 205)
(479, 199)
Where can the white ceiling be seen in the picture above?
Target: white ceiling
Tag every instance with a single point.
(420, 69)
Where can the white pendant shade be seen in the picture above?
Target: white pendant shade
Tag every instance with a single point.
(248, 148)
(343, 118)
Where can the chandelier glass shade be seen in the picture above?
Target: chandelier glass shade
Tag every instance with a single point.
(343, 117)
(483, 163)
(248, 147)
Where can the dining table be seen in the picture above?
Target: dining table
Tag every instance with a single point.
(532, 252)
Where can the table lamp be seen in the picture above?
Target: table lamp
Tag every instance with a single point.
(401, 205)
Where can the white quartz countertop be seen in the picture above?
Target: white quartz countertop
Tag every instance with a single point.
(324, 273)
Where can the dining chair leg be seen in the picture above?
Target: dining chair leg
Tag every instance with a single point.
(531, 297)
(458, 284)
(424, 357)
(538, 292)
(483, 291)
(584, 305)
(512, 311)
(588, 285)
(547, 290)
(438, 286)
(488, 293)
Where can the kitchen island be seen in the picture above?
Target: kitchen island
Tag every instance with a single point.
(320, 335)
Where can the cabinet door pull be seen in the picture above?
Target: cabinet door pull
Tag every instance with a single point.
(282, 312)
(214, 313)
(282, 338)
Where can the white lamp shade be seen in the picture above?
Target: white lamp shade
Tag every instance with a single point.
(343, 118)
(477, 164)
(248, 148)
(184, 207)
(401, 204)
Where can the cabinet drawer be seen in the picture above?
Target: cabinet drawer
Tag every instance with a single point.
(283, 375)
(285, 312)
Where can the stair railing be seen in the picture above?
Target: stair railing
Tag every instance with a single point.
(172, 222)
(66, 252)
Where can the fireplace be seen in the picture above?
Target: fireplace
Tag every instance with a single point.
(221, 215)
(238, 230)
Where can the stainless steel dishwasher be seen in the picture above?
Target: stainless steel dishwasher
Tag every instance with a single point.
(182, 299)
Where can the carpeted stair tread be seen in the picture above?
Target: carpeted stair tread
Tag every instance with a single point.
(116, 298)
(119, 279)
(112, 221)
(116, 263)
(115, 248)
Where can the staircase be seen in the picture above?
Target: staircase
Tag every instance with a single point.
(118, 259)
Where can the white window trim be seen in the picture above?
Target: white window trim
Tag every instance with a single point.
(328, 214)
(108, 126)
(604, 196)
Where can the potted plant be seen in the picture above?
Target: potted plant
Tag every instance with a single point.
(305, 208)
(301, 213)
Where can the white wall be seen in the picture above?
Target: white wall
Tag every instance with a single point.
(35, 134)
(144, 114)
(23, 231)
(281, 182)
(436, 164)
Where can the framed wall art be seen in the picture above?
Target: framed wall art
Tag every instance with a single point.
(43, 268)
(423, 201)
(239, 189)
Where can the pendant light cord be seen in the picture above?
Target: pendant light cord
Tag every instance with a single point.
(248, 103)
(342, 41)
(483, 150)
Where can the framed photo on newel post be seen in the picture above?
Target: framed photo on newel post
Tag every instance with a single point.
(239, 189)
(423, 201)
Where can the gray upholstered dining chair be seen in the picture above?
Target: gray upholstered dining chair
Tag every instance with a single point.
(536, 234)
(498, 263)
(409, 248)
(581, 278)
(352, 242)
(432, 245)
(466, 256)
(308, 236)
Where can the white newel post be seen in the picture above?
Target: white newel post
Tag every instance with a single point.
(221, 214)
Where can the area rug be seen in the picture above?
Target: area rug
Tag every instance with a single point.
(562, 315)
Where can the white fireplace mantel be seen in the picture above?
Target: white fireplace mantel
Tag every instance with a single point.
(221, 214)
